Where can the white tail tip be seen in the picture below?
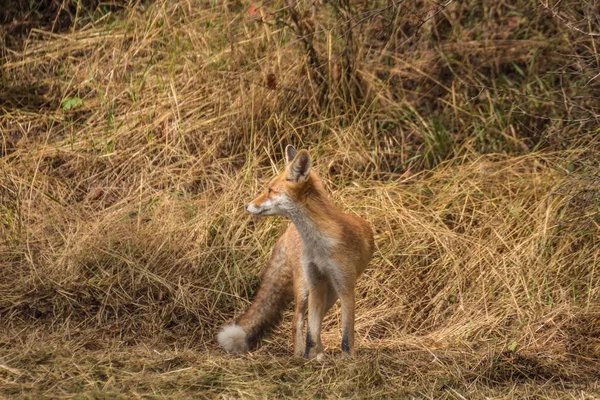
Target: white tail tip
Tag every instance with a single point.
(233, 339)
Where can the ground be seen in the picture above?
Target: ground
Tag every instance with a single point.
(133, 133)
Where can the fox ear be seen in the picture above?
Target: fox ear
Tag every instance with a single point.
(290, 153)
(300, 166)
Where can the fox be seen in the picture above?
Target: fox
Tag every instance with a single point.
(317, 260)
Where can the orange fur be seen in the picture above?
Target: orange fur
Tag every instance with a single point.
(318, 259)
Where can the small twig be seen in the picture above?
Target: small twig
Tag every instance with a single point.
(176, 370)
(591, 79)
(476, 96)
(11, 370)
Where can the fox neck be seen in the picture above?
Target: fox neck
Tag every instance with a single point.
(315, 220)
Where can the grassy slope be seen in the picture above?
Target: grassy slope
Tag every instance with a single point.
(130, 144)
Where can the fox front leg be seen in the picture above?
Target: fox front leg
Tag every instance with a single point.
(298, 323)
(316, 311)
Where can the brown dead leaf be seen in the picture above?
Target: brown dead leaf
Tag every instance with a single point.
(271, 81)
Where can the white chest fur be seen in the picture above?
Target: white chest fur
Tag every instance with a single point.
(317, 249)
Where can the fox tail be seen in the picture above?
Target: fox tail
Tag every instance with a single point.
(265, 311)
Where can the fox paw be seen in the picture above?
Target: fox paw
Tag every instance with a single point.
(315, 353)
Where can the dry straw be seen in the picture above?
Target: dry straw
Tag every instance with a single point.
(131, 140)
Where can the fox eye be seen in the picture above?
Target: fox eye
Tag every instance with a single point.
(270, 190)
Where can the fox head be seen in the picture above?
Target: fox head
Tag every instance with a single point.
(284, 193)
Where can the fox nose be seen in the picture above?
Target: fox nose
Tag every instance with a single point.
(247, 206)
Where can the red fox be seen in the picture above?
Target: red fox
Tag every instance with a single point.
(318, 259)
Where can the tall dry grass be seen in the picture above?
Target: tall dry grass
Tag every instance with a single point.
(466, 134)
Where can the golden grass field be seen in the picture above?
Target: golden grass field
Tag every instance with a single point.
(133, 134)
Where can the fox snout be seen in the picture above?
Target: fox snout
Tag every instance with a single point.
(255, 210)
(263, 207)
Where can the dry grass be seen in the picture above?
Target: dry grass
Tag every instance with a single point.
(131, 140)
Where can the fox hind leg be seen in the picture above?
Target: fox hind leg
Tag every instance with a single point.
(348, 303)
